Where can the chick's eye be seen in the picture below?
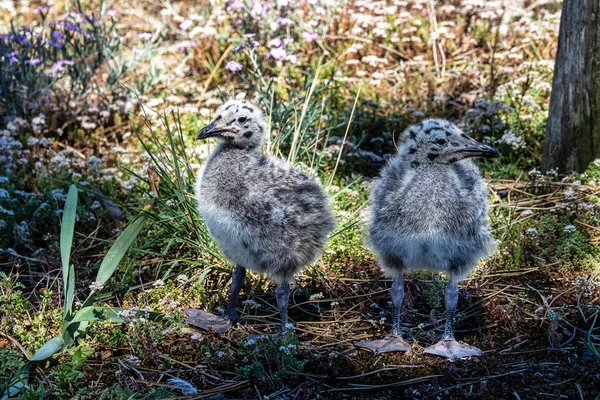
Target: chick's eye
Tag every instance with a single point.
(241, 120)
(440, 141)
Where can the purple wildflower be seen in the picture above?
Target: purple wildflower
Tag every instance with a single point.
(240, 46)
(278, 53)
(234, 66)
(33, 61)
(12, 56)
(284, 21)
(69, 26)
(186, 44)
(44, 7)
(57, 40)
(18, 38)
(236, 5)
(185, 25)
(309, 36)
(274, 42)
(259, 9)
(59, 66)
(111, 13)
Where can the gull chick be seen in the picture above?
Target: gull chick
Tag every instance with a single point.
(265, 215)
(429, 211)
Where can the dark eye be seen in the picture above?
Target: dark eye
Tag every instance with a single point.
(440, 141)
(241, 120)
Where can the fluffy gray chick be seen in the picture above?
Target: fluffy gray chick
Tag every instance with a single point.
(265, 215)
(429, 211)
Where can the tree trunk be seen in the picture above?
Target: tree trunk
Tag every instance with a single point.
(573, 131)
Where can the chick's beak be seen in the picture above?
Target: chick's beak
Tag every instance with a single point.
(208, 131)
(477, 149)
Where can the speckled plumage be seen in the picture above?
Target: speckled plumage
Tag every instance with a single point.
(429, 208)
(264, 214)
(429, 211)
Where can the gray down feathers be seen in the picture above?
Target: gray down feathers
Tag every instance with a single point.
(429, 208)
(265, 215)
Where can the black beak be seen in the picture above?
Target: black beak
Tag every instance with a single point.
(208, 131)
(477, 149)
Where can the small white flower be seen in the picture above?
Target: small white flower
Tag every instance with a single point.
(96, 286)
(58, 194)
(532, 232)
(158, 283)
(251, 303)
(133, 359)
(570, 228)
(317, 296)
(95, 205)
(570, 194)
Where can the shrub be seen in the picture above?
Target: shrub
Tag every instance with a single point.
(50, 64)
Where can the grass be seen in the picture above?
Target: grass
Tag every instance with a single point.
(334, 113)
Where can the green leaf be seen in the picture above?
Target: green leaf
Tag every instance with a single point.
(50, 348)
(111, 314)
(69, 293)
(97, 313)
(67, 228)
(80, 354)
(118, 250)
(18, 383)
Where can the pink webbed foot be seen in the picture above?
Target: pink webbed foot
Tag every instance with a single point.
(207, 321)
(388, 344)
(451, 349)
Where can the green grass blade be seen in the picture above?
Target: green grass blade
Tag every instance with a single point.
(118, 249)
(66, 239)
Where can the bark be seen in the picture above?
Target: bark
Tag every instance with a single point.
(573, 132)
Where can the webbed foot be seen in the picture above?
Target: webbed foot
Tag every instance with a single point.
(451, 349)
(386, 345)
